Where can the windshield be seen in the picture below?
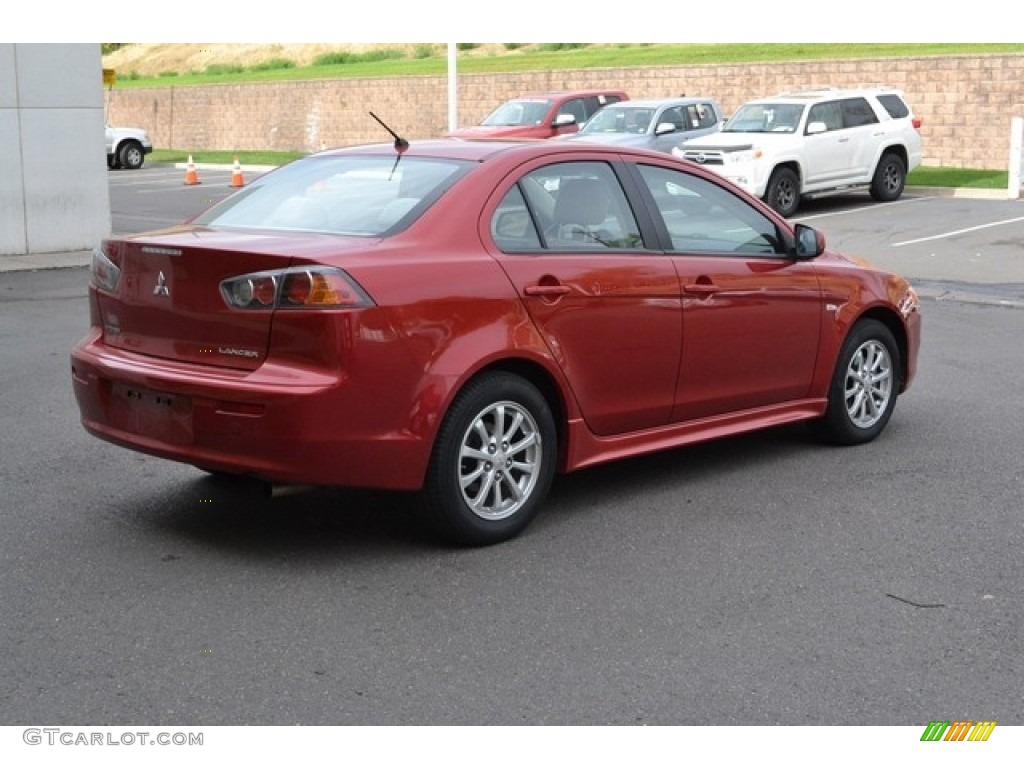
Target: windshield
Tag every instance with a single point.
(519, 112)
(765, 118)
(619, 119)
(366, 195)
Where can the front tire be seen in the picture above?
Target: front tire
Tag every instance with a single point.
(864, 386)
(131, 155)
(889, 179)
(783, 192)
(493, 461)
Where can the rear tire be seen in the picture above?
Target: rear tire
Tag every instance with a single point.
(864, 386)
(889, 179)
(493, 461)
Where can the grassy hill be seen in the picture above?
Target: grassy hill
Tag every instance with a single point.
(172, 64)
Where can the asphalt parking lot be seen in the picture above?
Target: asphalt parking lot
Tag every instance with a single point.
(761, 580)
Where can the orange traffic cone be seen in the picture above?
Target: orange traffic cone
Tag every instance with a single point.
(236, 175)
(191, 175)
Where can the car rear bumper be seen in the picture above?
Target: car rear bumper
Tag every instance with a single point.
(277, 424)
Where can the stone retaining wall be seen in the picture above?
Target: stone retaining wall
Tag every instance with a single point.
(965, 102)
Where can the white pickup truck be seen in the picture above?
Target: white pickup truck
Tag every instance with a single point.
(127, 147)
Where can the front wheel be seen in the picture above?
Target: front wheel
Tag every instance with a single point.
(889, 179)
(493, 461)
(131, 155)
(864, 386)
(783, 192)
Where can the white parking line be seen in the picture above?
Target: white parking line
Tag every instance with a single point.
(867, 206)
(959, 232)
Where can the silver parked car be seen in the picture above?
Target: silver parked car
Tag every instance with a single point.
(658, 124)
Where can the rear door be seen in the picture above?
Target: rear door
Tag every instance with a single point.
(607, 306)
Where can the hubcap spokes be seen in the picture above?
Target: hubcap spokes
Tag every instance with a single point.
(869, 380)
(499, 460)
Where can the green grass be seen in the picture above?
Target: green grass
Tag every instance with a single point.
(958, 177)
(224, 157)
(516, 58)
(922, 177)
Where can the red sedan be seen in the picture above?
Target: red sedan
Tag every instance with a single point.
(470, 318)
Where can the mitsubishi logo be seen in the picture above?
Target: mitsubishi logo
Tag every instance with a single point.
(161, 288)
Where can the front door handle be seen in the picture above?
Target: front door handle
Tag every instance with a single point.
(702, 288)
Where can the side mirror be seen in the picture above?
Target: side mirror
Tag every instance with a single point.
(564, 119)
(662, 128)
(810, 243)
(816, 127)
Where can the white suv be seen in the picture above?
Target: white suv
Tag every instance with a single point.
(127, 147)
(812, 143)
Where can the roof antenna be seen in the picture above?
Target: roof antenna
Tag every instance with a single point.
(400, 144)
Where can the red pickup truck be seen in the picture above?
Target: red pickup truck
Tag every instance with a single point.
(541, 115)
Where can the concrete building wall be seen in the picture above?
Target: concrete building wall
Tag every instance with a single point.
(54, 195)
(966, 102)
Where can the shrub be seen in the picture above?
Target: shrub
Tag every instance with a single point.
(273, 64)
(224, 69)
(562, 46)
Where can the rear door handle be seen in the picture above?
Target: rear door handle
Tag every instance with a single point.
(546, 290)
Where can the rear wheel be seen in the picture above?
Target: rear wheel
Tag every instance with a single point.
(493, 460)
(783, 192)
(864, 386)
(889, 179)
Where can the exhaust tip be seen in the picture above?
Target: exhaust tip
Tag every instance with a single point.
(278, 490)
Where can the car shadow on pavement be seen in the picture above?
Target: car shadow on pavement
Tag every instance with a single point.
(237, 514)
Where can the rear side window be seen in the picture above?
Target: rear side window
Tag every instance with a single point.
(858, 112)
(566, 206)
(894, 105)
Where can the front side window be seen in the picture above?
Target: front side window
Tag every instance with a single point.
(700, 116)
(828, 112)
(702, 217)
(575, 108)
(362, 195)
(565, 207)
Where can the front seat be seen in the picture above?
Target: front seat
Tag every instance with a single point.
(580, 210)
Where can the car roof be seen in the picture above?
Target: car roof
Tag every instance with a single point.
(479, 149)
(654, 103)
(815, 94)
(562, 94)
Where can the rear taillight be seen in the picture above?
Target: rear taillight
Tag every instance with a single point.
(295, 288)
(104, 273)
(916, 122)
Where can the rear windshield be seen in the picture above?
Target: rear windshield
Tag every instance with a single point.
(362, 195)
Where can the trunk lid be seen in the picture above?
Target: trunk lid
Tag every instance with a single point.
(168, 303)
